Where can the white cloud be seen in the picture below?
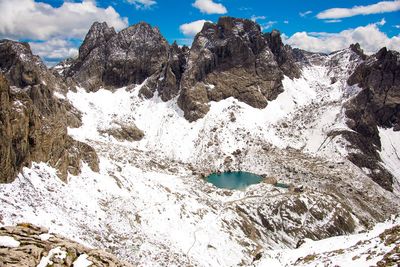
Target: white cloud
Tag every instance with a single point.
(192, 28)
(255, 18)
(286, 21)
(370, 38)
(54, 50)
(382, 22)
(210, 7)
(333, 21)
(139, 4)
(267, 25)
(33, 20)
(380, 7)
(304, 14)
(397, 26)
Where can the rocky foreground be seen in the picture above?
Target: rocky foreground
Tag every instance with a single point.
(26, 245)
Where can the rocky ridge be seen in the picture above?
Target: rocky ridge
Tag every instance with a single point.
(376, 105)
(251, 63)
(33, 120)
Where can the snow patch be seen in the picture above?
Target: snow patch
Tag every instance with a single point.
(53, 253)
(82, 261)
(390, 153)
(58, 95)
(9, 242)
(45, 237)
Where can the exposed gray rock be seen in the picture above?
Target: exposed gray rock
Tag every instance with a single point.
(33, 121)
(283, 55)
(378, 104)
(110, 59)
(233, 58)
(230, 58)
(167, 80)
(123, 131)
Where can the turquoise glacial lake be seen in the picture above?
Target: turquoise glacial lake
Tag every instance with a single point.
(233, 180)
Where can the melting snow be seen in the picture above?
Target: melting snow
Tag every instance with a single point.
(9, 242)
(55, 252)
(82, 261)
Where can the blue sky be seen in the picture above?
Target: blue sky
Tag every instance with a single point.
(56, 27)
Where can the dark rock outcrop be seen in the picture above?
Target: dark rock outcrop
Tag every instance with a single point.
(122, 132)
(284, 55)
(33, 121)
(377, 105)
(109, 59)
(32, 245)
(167, 81)
(233, 58)
(88, 69)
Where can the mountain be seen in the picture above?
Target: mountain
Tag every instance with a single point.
(112, 147)
(34, 120)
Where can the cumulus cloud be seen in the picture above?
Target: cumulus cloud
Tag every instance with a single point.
(54, 50)
(380, 7)
(370, 38)
(139, 4)
(304, 14)
(40, 21)
(210, 7)
(192, 28)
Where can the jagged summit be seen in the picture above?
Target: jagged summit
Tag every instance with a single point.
(109, 59)
(99, 33)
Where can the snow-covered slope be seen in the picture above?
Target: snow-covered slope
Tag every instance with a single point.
(390, 154)
(380, 244)
(149, 205)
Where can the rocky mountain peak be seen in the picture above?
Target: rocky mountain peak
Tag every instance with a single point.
(139, 33)
(237, 25)
(98, 34)
(234, 58)
(284, 54)
(377, 105)
(356, 48)
(110, 59)
(33, 121)
(20, 66)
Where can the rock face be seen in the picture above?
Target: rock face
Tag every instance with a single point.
(377, 105)
(233, 58)
(33, 121)
(110, 59)
(167, 80)
(30, 245)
